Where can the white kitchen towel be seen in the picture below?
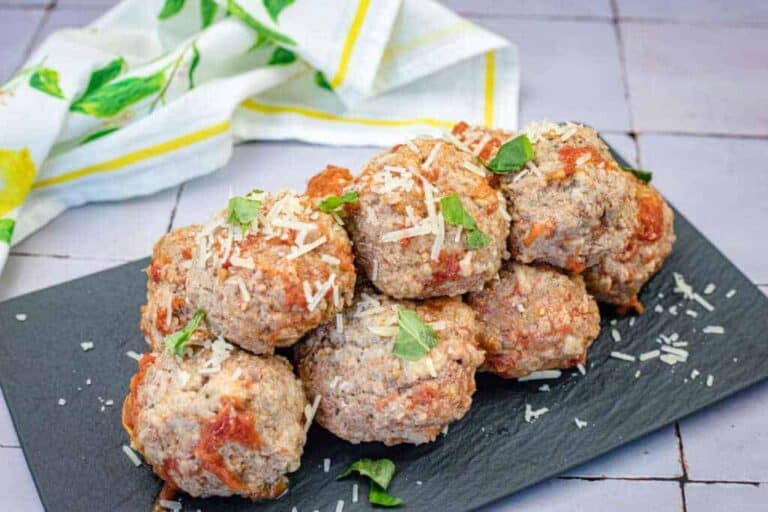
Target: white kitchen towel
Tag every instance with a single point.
(155, 92)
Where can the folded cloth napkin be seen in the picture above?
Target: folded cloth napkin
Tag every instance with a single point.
(156, 92)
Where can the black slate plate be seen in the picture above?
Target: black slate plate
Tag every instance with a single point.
(74, 451)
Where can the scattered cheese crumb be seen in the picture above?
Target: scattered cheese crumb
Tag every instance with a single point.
(616, 335)
(670, 359)
(21, 317)
(86, 346)
(326, 465)
(531, 415)
(730, 294)
(132, 455)
(622, 356)
(658, 308)
(133, 355)
(354, 493)
(580, 423)
(62, 401)
(645, 356)
(694, 374)
(632, 321)
(614, 321)
(673, 310)
(709, 288)
(637, 374)
(710, 380)
(691, 312)
(170, 505)
(340, 506)
(581, 369)
(541, 375)
(713, 329)
(544, 387)
(87, 382)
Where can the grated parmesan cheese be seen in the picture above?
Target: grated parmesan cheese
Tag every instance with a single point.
(86, 346)
(432, 155)
(304, 249)
(710, 380)
(541, 375)
(131, 455)
(544, 388)
(691, 313)
(309, 412)
(713, 329)
(730, 294)
(326, 465)
(340, 506)
(616, 335)
(645, 356)
(339, 322)
(694, 374)
(580, 423)
(331, 260)
(354, 493)
(532, 415)
(623, 356)
(170, 505)
(581, 368)
(709, 289)
(21, 317)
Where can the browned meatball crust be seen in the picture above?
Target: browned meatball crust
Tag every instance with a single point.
(400, 236)
(370, 394)
(535, 318)
(167, 310)
(572, 205)
(291, 271)
(618, 278)
(219, 423)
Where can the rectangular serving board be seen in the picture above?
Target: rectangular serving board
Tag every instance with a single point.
(74, 451)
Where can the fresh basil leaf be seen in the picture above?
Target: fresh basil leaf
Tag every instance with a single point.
(113, 97)
(193, 66)
(176, 342)
(170, 8)
(105, 75)
(47, 81)
(6, 230)
(275, 7)
(378, 496)
(242, 210)
(208, 10)
(455, 214)
(281, 56)
(332, 203)
(263, 32)
(644, 176)
(414, 338)
(477, 240)
(99, 134)
(321, 82)
(380, 471)
(512, 155)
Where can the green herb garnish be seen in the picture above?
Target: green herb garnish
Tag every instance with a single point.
(281, 56)
(455, 214)
(512, 156)
(414, 338)
(176, 342)
(332, 203)
(378, 496)
(644, 176)
(380, 473)
(243, 210)
(322, 82)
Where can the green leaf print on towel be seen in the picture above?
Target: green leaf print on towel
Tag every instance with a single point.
(111, 99)
(47, 81)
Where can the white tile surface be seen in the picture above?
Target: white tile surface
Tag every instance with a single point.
(558, 8)
(65, 18)
(726, 497)
(623, 144)
(17, 490)
(570, 70)
(721, 186)
(24, 274)
(656, 455)
(699, 79)
(18, 27)
(124, 230)
(764, 289)
(598, 496)
(729, 441)
(7, 432)
(268, 166)
(719, 11)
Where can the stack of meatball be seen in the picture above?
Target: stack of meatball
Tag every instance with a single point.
(505, 282)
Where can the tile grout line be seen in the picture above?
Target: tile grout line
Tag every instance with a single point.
(660, 479)
(683, 465)
(623, 64)
(175, 206)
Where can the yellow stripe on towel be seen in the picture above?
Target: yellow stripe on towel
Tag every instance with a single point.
(490, 88)
(349, 42)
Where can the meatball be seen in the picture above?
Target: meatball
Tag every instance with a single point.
(370, 394)
(291, 271)
(219, 423)
(401, 238)
(572, 205)
(167, 310)
(535, 318)
(617, 278)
